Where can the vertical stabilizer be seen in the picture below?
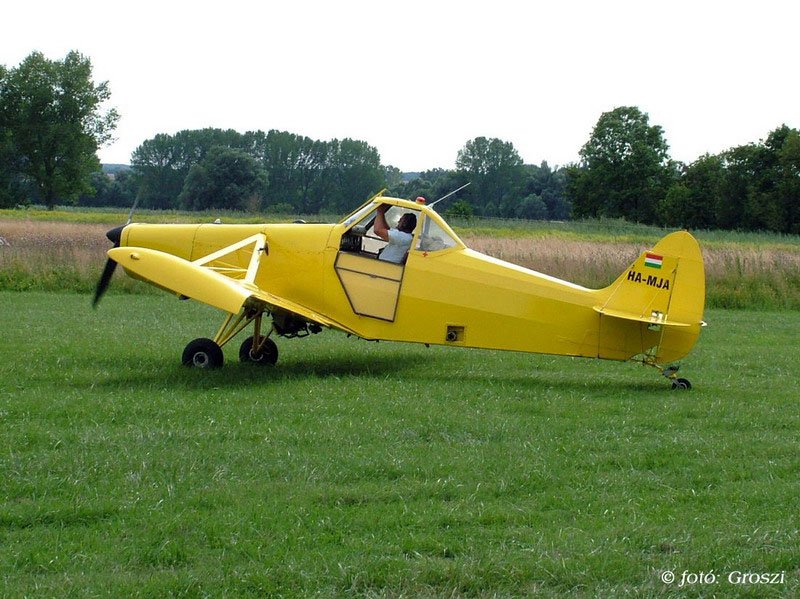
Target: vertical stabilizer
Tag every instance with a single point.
(662, 298)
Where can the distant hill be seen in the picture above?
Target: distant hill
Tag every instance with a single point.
(113, 169)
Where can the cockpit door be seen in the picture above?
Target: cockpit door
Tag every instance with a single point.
(372, 285)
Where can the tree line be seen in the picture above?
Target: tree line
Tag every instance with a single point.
(274, 171)
(626, 172)
(283, 172)
(52, 124)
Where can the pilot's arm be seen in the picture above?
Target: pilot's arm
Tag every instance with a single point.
(381, 227)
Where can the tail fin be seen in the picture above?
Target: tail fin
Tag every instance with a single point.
(663, 289)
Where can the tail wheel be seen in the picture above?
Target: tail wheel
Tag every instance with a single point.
(266, 354)
(681, 384)
(203, 353)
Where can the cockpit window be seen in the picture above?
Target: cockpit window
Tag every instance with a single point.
(361, 236)
(433, 237)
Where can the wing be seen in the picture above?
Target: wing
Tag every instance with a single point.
(204, 284)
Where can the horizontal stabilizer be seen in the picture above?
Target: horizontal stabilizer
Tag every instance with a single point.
(655, 318)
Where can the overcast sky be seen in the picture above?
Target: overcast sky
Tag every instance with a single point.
(417, 79)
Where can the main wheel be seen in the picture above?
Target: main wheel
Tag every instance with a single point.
(681, 384)
(203, 353)
(267, 354)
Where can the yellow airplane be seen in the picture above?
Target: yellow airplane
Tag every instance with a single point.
(307, 277)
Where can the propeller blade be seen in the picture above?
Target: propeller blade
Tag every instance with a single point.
(105, 279)
(115, 236)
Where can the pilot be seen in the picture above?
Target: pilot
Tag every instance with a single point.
(399, 239)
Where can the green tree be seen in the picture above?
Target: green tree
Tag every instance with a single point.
(431, 184)
(393, 176)
(531, 207)
(353, 172)
(743, 189)
(788, 184)
(496, 171)
(160, 172)
(161, 164)
(625, 168)
(14, 188)
(549, 186)
(761, 184)
(781, 179)
(227, 178)
(53, 110)
(296, 167)
(460, 209)
(12, 185)
(692, 201)
(117, 189)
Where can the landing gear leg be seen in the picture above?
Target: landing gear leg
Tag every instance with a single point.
(259, 349)
(671, 374)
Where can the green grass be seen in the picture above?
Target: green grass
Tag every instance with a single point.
(118, 216)
(364, 469)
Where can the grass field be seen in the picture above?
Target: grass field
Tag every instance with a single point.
(386, 470)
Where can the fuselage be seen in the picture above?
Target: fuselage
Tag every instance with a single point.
(447, 295)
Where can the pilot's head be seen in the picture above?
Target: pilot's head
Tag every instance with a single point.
(407, 223)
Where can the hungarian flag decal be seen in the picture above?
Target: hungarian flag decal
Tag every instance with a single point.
(653, 260)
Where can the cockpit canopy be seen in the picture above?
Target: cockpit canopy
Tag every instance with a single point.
(432, 234)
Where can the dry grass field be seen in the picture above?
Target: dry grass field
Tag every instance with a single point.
(47, 255)
(737, 275)
(51, 255)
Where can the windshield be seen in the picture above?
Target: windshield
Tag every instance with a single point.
(433, 237)
(356, 216)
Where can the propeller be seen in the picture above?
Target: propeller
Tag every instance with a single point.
(115, 236)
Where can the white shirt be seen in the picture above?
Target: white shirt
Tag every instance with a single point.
(399, 244)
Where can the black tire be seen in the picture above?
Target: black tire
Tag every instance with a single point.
(203, 353)
(268, 354)
(681, 385)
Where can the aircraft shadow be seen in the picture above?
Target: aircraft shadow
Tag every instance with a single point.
(236, 374)
(538, 382)
(424, 370)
